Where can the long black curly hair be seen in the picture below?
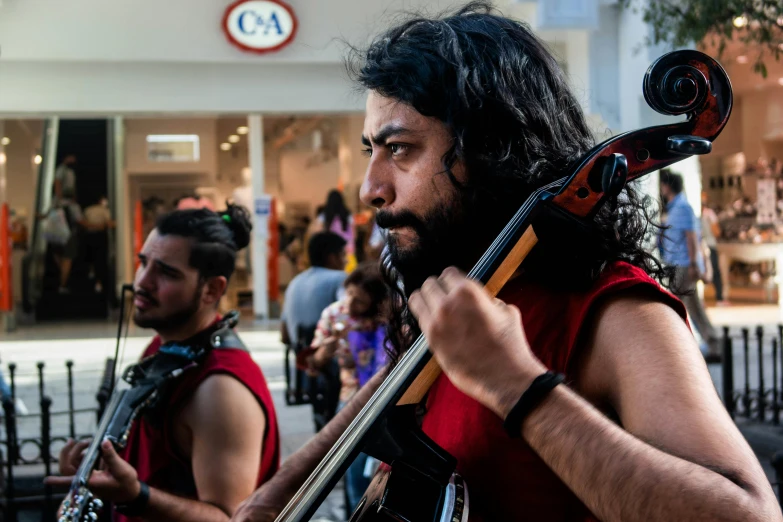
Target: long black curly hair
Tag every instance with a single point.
(516, 126)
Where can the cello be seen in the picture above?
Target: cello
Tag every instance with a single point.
(417, 481)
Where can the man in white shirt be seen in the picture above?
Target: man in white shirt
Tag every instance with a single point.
(98, 221)
(65, 179)
(710, 231)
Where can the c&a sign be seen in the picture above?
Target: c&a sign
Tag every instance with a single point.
(259, 26)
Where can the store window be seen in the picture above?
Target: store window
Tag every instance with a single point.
(173, 148)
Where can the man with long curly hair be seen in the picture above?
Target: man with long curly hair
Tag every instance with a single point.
(466, 116)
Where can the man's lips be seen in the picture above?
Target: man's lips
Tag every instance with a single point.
(142, 303)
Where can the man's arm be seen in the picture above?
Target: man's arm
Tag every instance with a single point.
(265, 504)
(681, 457)
(225, 425)
(692, 241)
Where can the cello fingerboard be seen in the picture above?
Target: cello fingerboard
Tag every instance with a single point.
(419, 388)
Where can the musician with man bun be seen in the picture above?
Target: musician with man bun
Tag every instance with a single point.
(580, 394)
(213, 437)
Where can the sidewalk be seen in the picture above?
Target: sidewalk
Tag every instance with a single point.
(89, 344)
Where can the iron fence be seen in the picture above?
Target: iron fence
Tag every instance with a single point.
(759, 397)
(25, 459)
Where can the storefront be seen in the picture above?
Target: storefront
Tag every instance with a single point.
(743, 183)
(248, 100)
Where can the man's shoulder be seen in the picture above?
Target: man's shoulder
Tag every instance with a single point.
(681, 203)
(327, 274)
(337, 275)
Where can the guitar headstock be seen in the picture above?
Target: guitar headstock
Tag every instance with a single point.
(80, 506)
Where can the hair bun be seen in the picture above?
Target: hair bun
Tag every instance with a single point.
(237, 219)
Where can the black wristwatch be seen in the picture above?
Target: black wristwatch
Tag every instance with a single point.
(138, 505)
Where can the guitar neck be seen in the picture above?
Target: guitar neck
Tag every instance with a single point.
(93, 453)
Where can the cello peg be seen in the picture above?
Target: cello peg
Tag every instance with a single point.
(688, 145)
(614, 174)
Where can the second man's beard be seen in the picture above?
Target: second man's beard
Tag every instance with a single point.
(173, 320)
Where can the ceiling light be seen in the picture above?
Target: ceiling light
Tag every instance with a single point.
(740, 21)
(780, 47)
(233, 138)
(5, 141)
(37, 159)
(780, 80)
(242, 130)
(780, 21)
(225, 146)
(2, 158)
(742, 59)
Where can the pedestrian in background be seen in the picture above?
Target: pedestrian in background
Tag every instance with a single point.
(337, 218)
(352, 331)
(306, 297)
(710, 230)
(680, 247)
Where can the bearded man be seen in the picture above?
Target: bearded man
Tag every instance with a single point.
(214, 437)
(466, 116)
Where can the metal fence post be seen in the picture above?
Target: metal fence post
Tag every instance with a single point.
(40, 366)
(71, 420)
(762, 398)
(775, 402)
(728, 372)
(46, 452)
(746, 361)
(9, 409)
(11, 373)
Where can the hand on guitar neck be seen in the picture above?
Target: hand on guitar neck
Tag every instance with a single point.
(267, 501)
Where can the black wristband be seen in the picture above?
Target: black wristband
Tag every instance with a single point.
(538, 389)
(138, 505)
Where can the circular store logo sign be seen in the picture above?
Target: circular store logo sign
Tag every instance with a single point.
(259, 26)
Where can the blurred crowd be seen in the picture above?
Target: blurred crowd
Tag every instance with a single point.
(335, 314)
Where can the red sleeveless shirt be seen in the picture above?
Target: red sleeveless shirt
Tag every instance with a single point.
(151, 449)
(506, 479)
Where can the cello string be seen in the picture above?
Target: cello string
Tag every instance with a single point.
(315, 485)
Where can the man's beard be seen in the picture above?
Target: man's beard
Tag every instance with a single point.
(172, 321)
(443, 238)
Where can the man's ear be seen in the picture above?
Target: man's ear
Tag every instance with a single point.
(214, 289)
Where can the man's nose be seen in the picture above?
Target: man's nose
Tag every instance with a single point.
(144, 278)
(378, 187)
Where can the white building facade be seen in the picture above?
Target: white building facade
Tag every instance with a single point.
(145, 61)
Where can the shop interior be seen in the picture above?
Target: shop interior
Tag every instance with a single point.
(167, 163)
(742, 182)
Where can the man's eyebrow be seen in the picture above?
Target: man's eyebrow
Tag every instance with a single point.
(386, 132)
(165, 266)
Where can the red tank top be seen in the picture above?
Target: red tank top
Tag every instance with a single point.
(506, 479)
(151, 449)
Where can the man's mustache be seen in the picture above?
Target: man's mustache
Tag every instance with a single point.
(146, 295)
(403, 218)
